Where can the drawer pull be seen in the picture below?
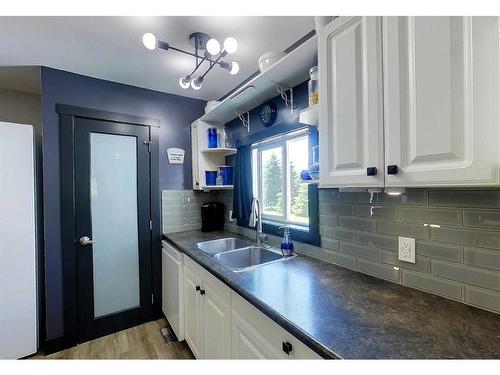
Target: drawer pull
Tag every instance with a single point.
(371, 171)
(287, 347)
(392, 169)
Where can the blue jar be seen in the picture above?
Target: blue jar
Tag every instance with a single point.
(210, 177)
(212, 138)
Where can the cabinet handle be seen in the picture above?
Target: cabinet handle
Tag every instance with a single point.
(287, 347)
(197, 288)
(371, 171)
(202, 292)
(392, 169)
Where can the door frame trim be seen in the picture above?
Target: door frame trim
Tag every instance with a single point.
(67, 115)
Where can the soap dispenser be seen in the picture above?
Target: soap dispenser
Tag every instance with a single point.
(286, 242)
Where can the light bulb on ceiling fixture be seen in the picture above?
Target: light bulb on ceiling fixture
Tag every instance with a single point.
(184, 82)
(213, 46)
(197, 83)
(230, 45)
(235, 68)
(149, 40)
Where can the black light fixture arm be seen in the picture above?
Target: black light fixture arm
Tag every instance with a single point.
(166, 46)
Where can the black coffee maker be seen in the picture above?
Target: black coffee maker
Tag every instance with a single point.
(212, 216)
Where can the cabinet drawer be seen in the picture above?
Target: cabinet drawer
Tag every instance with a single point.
(272, 332)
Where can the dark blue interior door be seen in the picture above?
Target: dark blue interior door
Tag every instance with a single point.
(112, 207)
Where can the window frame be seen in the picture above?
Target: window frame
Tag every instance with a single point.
(307, 233)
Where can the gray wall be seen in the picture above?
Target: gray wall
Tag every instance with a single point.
(21, 107)
(457, 258)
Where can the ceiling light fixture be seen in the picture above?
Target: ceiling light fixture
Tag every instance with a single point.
(185, 82)
(212, 55)
(235, 68)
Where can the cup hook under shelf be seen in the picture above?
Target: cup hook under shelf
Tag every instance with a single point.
(287, 98)
(244, 117)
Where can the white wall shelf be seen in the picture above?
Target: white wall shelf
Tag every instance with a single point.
(217, 187)
(310, 115)
(220, 150)
(291, 70)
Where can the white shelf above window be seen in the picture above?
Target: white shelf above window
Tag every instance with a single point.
(219, 150)
(217, 187)
(310, 115)
(291, 70)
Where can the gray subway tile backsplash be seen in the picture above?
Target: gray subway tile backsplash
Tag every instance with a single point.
(461, 236)
(488, 219)
(430, 215)
(465, 198)
(482, 258)
(378, 269)
(483, 298)
(432, 284)
(369, 253)
(458, 257)
(466, 274)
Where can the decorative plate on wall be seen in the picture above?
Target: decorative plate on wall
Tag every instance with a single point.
(268, 114)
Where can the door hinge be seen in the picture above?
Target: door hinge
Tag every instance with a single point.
(150, 224)
(148, 143)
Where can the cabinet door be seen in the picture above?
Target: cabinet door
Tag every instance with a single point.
(248, 343)
(216, 324)
(351, 123)
(441, 100)
(192, 311)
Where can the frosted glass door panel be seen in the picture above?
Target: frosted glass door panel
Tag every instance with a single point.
(113, 200)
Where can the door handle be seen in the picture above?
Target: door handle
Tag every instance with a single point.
(86, 241)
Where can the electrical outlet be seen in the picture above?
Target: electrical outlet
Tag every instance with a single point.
(406, 249)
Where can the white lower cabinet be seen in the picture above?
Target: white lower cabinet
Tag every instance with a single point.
(192, 311)
(207, 306)
(219, 324)
(257, 336)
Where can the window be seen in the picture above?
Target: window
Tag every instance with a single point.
(276, 167)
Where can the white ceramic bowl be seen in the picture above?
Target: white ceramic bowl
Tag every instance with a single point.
(211, 105)
(268, 59)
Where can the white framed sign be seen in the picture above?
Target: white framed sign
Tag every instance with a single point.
(175, 155)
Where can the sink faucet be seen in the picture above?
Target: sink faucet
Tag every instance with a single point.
(256, 221)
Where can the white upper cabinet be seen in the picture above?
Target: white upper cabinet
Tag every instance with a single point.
(441, 101)
(351, 122)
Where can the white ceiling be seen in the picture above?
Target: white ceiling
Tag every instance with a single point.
(111, 47)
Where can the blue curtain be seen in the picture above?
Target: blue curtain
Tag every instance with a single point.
(243, 186)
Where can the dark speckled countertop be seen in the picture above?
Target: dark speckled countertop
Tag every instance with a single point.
(342, 313)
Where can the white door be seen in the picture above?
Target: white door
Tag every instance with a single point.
(216, 325)
(441, 100)
(351, 123)
(248, 343)
(192, 311)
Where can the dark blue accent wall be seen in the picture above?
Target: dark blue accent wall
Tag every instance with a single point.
(58, 87)
(284, 121)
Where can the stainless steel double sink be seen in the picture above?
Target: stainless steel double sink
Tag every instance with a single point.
(239, 255)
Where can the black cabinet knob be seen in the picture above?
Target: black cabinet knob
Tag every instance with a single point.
(392, 169)
(371, 171)
(197, 287)
(287, 347)
(202, 292)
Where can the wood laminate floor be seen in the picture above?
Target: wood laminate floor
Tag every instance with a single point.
(140, 342)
